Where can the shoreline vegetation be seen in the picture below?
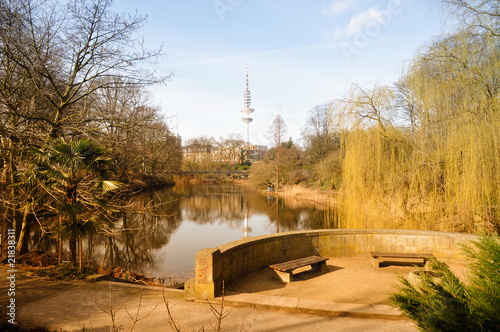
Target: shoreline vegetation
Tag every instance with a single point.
(45, 266)
(316, 196)
(148, 182)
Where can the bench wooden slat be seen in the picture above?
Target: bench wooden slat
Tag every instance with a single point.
(377, 255)
(401, 255)
(295, 264)
(284, 270)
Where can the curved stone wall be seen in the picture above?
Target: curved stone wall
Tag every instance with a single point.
(236, 259)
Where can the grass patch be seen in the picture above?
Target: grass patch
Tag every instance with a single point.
(66, 271)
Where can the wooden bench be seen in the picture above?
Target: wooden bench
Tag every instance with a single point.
(377, 255)
(284, 270)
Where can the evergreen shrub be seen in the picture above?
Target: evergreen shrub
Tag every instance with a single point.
(447, 303)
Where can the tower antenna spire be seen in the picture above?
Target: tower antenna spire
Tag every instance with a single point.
(247, 77)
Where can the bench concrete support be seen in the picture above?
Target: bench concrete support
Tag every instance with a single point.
(427, 264)
(320, 267)
(285, 276)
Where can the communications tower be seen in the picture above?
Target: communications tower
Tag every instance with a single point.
(247, 110)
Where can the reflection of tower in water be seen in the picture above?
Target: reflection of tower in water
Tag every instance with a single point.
(246, 229)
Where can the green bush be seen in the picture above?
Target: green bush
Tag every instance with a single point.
(447, 304)
(66, 271)
(243, 167)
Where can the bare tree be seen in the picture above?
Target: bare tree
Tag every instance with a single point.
(59, 60)
(319, 135)
(16, 108)
(69, 51)
(277, 132)
(125, 121)
(237, 144)
(368, 107)
(480, 15)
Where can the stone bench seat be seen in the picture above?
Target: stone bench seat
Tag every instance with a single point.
(285, 269)
(376, 255)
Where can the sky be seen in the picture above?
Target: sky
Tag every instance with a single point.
(299, 54)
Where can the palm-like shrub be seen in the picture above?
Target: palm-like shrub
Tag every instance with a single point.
(448, 304)
(73, 174)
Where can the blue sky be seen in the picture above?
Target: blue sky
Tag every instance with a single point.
(299, 53)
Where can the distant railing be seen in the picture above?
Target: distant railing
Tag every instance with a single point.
(205, 172)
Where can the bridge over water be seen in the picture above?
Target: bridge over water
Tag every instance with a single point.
(207, 172)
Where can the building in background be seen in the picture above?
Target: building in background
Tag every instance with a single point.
(228, 154)
(255, 152)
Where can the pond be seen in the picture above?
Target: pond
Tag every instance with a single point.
(186, 218)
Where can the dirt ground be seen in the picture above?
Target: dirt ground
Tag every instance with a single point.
(81, 306)
(348, 280)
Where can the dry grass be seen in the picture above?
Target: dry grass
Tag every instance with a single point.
(315, 196)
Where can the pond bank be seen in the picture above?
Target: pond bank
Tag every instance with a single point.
(315, 196)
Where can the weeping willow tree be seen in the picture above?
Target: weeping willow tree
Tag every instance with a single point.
(426, 153)
(375, 159)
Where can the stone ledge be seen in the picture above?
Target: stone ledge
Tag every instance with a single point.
(97, 277)
(309, 306)
(231, 261)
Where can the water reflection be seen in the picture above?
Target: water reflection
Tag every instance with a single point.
(185, 218)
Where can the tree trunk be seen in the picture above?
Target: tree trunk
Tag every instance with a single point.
(5, 169)
(22, 240)
(59, 249)
(80, 251)
(56, 130)
(14, 192)
(16, 216)
(72, 250)
(277, 214)
(278, 167)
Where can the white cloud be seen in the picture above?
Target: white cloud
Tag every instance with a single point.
(339, 6)
(338, 33)
(360, 21)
